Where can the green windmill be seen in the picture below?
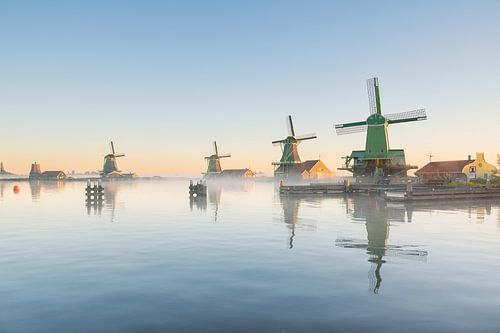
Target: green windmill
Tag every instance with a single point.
(213, 162)
(378, 160)
(110, 167)
(290, 153)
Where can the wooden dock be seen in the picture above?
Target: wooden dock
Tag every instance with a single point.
(337, 189)
(432, 194)
(312, 189)
(400, 192)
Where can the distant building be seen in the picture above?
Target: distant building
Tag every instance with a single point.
(52, 175)
(443, 171)
(479, 169)
(312, 169)
(237, 173)
(3, 172)
(36, 173)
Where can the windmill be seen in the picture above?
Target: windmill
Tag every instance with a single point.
(378, 159)
(213, 162)
(110, 166)
(290, 154)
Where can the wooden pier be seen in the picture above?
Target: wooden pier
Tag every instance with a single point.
(197, 190)
(313, 189)
(94, 194)
(432, 194)
(340, 188)
(400, 192)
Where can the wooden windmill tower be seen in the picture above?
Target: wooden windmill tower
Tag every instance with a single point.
(290, 153)
(213, 162)
(110, 166)
(378, 159)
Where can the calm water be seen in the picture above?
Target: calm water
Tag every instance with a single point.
(244, 260)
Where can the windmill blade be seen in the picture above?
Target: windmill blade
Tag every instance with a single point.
(278, 142)
(306, 137)
(349, 128)
(224, 155)
(119, 155)
(403, 117)
(216, 152)
(289, 123)
(372, 86)
(112, 148)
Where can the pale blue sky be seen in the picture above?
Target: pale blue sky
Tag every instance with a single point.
(165, 78)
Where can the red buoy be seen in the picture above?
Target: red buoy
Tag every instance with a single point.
(16, 189)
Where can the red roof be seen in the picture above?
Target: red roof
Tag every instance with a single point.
(443, 167)
(236, 173)
(298, 168)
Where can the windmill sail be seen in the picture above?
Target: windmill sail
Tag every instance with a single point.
(306, 137)
(350, 130)
(289, 123)
(372, 85)
(214, 160)
(216, 152)
(402, 117)
(356, 127)
(110, 165)
(290, 154)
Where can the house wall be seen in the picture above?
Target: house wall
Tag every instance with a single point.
(429, 177)
(319, 170)
(479, 169)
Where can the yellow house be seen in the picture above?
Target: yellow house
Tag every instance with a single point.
(479, 169)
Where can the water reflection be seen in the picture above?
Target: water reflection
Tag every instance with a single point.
(477, 210)
(198, 202)
(110, 202)
(291, 206)
(111, 190)
(377, 216)
(36, 187)
(214, 194)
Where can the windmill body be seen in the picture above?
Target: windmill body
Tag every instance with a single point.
(110, 167)
(378, 159)
(290, 155)
(213, 162)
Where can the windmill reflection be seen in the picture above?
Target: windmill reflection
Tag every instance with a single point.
(291, 216)
(111, 190)
(377, 216)
(291, 206)
(214, 194)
